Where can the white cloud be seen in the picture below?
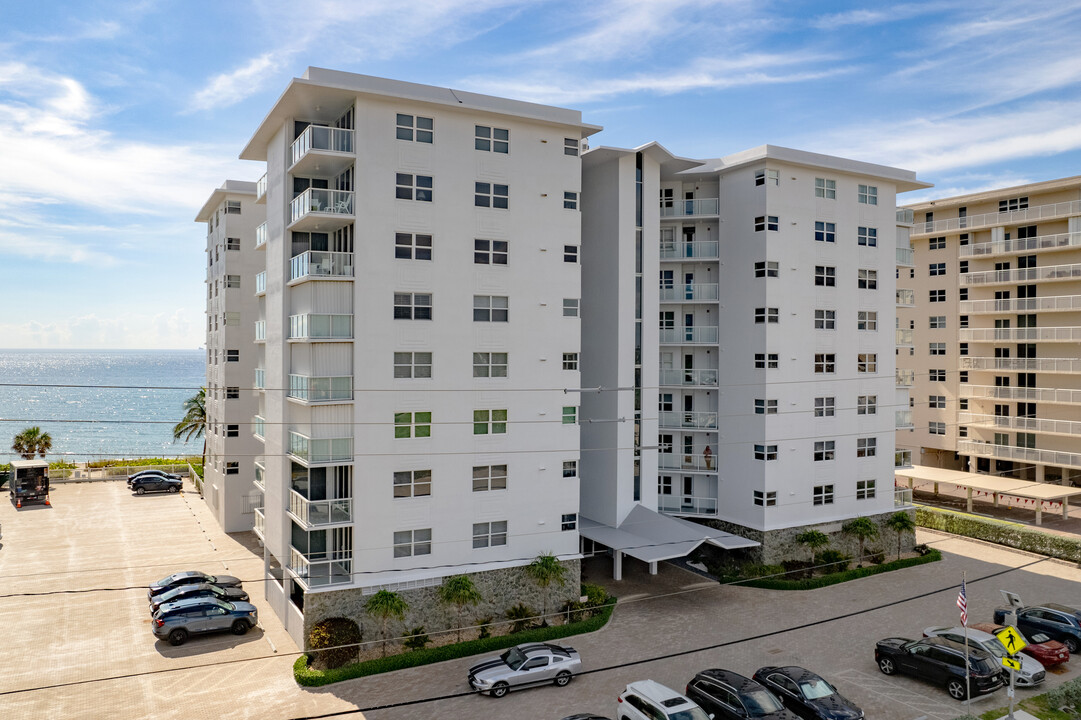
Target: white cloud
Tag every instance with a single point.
(878, 15)
(232, 87)
(178, 329)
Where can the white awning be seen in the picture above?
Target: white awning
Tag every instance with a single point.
(650, 536)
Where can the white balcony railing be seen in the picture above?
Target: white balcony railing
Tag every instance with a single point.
(687, 505)
(700, 378)
(687, 419)
(1015, 217)
(1027, 334)
(260, 236)
(902, 337)
(1055, 396)
(260, 188)
(906, 257)
(321, 137)
(689, 293)
(688, 335)
(1038, 425)
(316, 513)
(1059, 241)
(1009, 452)
(694, 250)
(260, 524)
(260, 379)
(260, 331)
(906, 298)
(904, 378)
(314, 263)
(320, 327)
(687, 208)
(323, 568)
(1059, 303)
(259, 426)
(320, 450)
(1020, 275)
(903, 419)
(260, 283)
(696, 463)
(321, 389)
(1048, 365)
(317, 200)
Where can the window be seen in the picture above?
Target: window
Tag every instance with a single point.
(232, 207)
(962, 348)
(866, 320)
(490, 308)
(232, 393)
(766, 222)
(493, 422)
(414, 128)
(825, 275)
(937, 322)
(824, 450)
(868, 280)
(412, 483)
(765, 452)
(408, 246)
(962, 267)
(570, 147)
(825, 188)
(766, 269)
(823, 494)
(412, 364)
(570, 307)
(867, 236)
(868, 195)
(232, 467)
(962, 376)
(825, 231)
(936, 243)
(413, 187)
(936, 428)
(1012, 204)
(936, 296)
(762, 315)
(825, 406)
(232, 281)
(570, 253)
(962, 294)
(936, 402)
(570, 361)
(866, 447)
(962, 404)
(232, 243)
(232, 356)
(765, 360)
(412, 306)
(490, 252)
(489, 365)
(568, 522)
(867, 405)
(491, 139)
(412, 424)
(489, 534)
(768, 498)
(962, 431)
(570, 468)
(232, 431)
(570, 415)
(936, 348)
(936, 269)
(489, 477)
(570, 200)
(491, 195)
(867, 363)
(773, 177)
(825, 319)
(765, 407)
(865, 489)
(824, 363)
(408, 543)
(937, 375)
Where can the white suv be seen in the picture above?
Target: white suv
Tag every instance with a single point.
(649, 700)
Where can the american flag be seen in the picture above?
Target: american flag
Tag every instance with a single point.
(963, 604)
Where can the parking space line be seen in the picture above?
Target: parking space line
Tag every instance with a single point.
(883, 688)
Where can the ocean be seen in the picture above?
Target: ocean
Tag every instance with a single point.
(117, 403)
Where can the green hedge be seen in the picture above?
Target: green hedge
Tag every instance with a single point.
(1000, 533)
(314, 678)
(834, 578)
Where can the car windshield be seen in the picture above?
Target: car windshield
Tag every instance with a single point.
(994, 646)
(167, 580)
(760, 702)
(689, 714)
(815, 689)
(513, 658)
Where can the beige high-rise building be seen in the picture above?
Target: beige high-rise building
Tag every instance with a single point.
(993, 306)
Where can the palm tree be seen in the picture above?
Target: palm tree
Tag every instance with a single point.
(459, 591)
(902, 524)
(31, 442)
(193, 424)
(386, 605)
(813, 539)
(546, 570)
(862, 529)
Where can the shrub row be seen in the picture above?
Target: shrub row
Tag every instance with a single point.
(314, 678)
(840, 577)
(1000, 533)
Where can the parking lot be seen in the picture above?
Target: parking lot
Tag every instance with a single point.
(90, 653)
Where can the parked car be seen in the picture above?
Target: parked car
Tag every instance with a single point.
(159, 483)
(199, 590)
(1049, 652)
(526, 664)
(806, 694)
(152, 473)
(1032, 672)
(728, 695)
(649, 700)
(190, 577)
(942, 662)
(586, 716)
(1058, 622)
(177, 621)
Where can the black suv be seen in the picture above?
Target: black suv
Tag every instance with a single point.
(728, 695)
(942, 662)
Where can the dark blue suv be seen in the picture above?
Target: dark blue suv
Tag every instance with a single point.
(1059, 622)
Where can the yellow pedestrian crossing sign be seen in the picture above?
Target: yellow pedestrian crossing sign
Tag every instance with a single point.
(1011, 664)
(1011, 640)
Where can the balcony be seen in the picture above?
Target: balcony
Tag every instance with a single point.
(902, 458)
(687, 420)
(1054, 396)
(260, 237)
(690, 293)
(313, 451)
(322, 150)
(903, 419)
(694, 250)
(1036, 425)
(1009, 452)
(905, 216)
(906, 298)
(319, 513)
(1050, 273)
(687, 505)
(1059, 241)
(321, 265)
(1028, 334)
(260, 331)
(323, 210)
(688, 336)
(259, 427)
(904, 378)
(902, 337)
(260, 283)
(260, 476)
(320, 327)
(691, 378)
(320, 389)
(691, 208)
(1048, 365)
(260, 190)
(1060, 303)
(906, 257)
(1015, 217)
(260, 524)
(693, 463)
(260, 379)
(322, 568)
(902, 498)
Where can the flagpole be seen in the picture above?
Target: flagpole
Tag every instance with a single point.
(964, 622)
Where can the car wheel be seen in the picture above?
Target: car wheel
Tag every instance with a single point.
(499, 689)
(1071, 645)
(174, 488)
(178, 636)
(140, 491)
(956, 689)
(886, 666)
(240, 627)
(563, 679)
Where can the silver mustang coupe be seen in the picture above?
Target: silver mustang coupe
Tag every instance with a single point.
(527, 664)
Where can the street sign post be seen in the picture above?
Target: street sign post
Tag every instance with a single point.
(1011, 664)
(1014, 643)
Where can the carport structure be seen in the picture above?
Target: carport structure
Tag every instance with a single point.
(1034, 492)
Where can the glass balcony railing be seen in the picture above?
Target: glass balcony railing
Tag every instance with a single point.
(902, 337)
(904, 378)
(902, 498)
(314, 263)
(906, 257)
(320, 389)
(260, 379)
(260, 236)
(322, 568)
(260, 476)
(260, 331)
(693, 463)
(260, 524)
(324, 202)
(260, 188)
(315, 513)
(690, 292)
(688, 335)
(694, 250)
(1058, 241)
(687, 505)
(259, 426)
(902, 458)
(903, 419)
(906, 298)
(320, 327)
(320, 450)
(905, 216)
(320, 137)
(686, 208)
(260, 283)
(700, 378)
(690, 420)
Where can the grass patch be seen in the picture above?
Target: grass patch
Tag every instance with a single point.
(840, 577)
(999, 532)
(308, 677)
(1037, 706)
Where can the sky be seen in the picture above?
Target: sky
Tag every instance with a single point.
(117, 119)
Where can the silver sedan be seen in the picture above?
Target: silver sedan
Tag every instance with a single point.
(526, 664)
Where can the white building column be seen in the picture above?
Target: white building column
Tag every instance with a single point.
(653, 568)
(617, 564)
(1040, 473)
